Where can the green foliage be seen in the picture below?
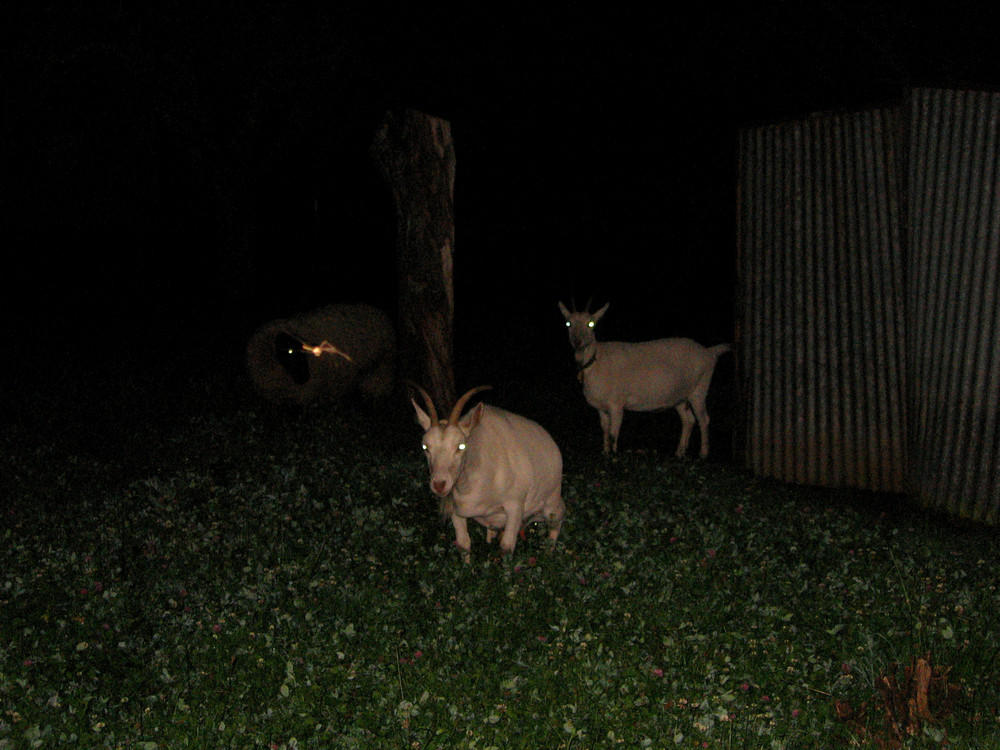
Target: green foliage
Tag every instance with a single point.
(289, 583)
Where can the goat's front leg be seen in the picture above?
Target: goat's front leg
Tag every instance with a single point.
(605, 429)
(462, 539)
(615, 424)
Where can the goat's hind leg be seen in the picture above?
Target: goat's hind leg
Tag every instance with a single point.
(512, 526)
(697, 401)
(701, 414)
(555, 511)
(687, 424)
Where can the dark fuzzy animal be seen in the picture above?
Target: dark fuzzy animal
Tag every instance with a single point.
(282, 371)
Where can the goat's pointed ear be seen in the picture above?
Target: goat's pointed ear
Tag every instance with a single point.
(600, 313)
(563, 310)
(422, 418)
(472, 416)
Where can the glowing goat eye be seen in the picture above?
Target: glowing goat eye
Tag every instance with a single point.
(567, 324)
(590, 323)
(461, 446)
(424, 446)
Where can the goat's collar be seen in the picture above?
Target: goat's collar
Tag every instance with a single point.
(582, 366)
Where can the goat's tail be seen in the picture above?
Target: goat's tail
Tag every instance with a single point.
(719, 349)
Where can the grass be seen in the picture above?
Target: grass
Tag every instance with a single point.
(279, 582)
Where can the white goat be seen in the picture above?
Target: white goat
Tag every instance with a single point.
(498, 468)
(643, 376)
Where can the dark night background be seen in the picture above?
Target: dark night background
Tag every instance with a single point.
(172, 177)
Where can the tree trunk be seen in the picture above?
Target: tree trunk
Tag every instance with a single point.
(417, 157)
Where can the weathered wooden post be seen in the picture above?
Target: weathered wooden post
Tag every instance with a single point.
(417, 157)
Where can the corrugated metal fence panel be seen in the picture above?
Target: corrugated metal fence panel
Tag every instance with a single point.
(954, 280)
(821, 301)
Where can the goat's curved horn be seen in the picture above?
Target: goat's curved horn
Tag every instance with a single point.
(572, 302)
(431, 411)
(456, 410)
(587, 308)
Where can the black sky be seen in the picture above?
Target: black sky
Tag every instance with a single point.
(172, 177)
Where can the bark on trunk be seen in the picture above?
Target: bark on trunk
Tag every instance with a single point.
(417, 158)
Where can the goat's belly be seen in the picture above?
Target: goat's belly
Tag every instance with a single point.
(650, 405)
(493, 520)
(490, 515)
(635, 398)
(498, 521)
(644, 395)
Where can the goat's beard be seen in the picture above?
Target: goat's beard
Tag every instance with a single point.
(446, 506)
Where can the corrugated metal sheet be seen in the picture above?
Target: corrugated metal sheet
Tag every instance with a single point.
(822, 303)
(869, 319)
(954, 337)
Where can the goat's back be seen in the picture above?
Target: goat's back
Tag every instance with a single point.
(521, 444)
